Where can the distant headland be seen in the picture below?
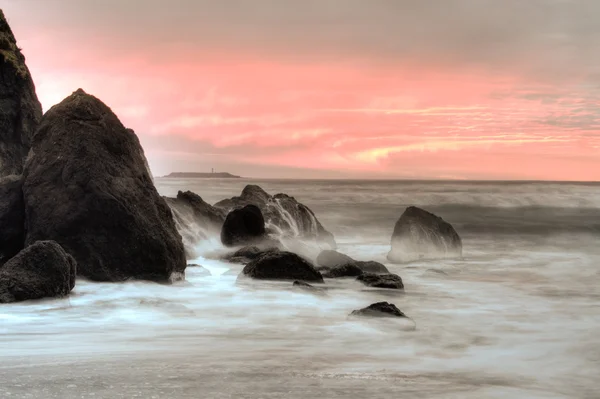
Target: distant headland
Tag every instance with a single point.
(188, 175)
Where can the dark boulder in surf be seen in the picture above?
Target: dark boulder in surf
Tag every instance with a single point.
(88, 187)
(347, 270)
(391, 281)
(329, 259)
(20, 110)
(283, 214)
(12, 217)
(246, 254)
(196, 220)
(379, 309)
(42, 270)
(371, 266)
(419, 234)
(282, 265)
(243, 226)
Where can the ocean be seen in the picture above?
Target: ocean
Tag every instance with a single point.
(518, 317)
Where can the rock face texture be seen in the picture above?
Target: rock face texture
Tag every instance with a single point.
(196, 220)
(283, 214)
(281, 265)
(87, 186)
(243, 226)
(12, 217)
(20, 110)
(41, 270)
(419, 234)
(379, 309)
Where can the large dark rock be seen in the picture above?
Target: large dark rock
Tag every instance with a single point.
(281, 265)
(12, 217)
(243, 226)
(419, 234)
(246, 254)
(284, 214)
(87, 186)
(41, 270)
(391, 281)
(20, 110)
(196, 220)
(379, 309)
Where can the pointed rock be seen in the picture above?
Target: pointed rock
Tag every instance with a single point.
(88, 187)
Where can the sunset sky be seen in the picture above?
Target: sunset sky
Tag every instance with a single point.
(438, 89)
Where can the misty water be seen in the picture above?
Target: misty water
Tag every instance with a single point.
(518, 317)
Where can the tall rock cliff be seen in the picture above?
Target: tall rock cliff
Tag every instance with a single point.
(20, 110)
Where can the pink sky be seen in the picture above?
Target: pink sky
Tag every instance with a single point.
(333, 89)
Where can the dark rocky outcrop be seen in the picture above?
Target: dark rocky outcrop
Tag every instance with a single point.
(284, 214)
(12, 217)
(419, 234)
(391, 281)
(347, 270)
(379, 309)
(41, 270)
(243, 226)
(20, 110)
(281, 265)
(328, 260)
(196, 220)
(87, 186)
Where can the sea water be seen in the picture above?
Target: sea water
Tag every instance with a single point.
(518, 317)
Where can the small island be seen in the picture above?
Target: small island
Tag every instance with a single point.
(188, 175)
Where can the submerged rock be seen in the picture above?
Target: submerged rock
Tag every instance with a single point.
(329, 260)
(20, 110)
(243, 226)
(419, 234)
(379, 309)
(12, 217)
(41, 270)
(284, 214)
(282, 265)
(392, 281)
(196, 220)
(88, 187)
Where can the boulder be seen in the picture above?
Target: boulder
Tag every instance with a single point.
(347, 270)
(243, 226)
(283, 214)
(20, 110)
(87, 186)
(391, 281)
(12, 217)
(282, 265)
(419, 234)
(379, 309)
(195, 219)
(41, 270)
(246, 254)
